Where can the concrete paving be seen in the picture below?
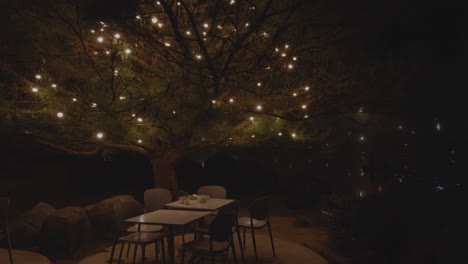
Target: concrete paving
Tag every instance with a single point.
(23, 257)
(286, 252)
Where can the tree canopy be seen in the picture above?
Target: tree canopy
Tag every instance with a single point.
(164, 78)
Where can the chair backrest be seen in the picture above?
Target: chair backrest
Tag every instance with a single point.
(156, 198)
(214, 191)
(259, 208)
(221, 227)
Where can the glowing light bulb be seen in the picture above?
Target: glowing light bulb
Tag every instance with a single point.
(247, 24)
(100, 39)
(128, 51)
(306, 116)
(74, 99)
(54, 85)
(293, 135)
(154, 20)
(107, 52)
(283, 54)
(167, 44)
(174, 112)
(276, 49)
(93, 31)
(140, 119)
(232, 2)
(294, 94)
(34, 89)
(138, 17)
(99, 135)
(259, 84)
(259, 107)
(253, 136)
(304, 106)
(117, 35)
(307, 88)
(38, 76)
(294, 58)
(280, 134)
(160, 25)
(188, 32)
(122, 97)
(290, 66)
(362, 138)
(93, 105)
(59, 114)
(198, 56)
(252, 118)
(286, 46)
(205, 25)
(231, 100)
(140, 141)
(213, 101)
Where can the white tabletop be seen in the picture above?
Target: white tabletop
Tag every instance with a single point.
(211, 204)
(168, 217)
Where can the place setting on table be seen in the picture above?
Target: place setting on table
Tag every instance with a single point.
(201, 202)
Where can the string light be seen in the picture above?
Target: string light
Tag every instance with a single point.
(205, 25)
(306, 88)
(99, 135)
(128, 51)
(140, 119)
(231, 100)
(93, 105)
(117, 35)
(167, 44)
(59, 114)
(252, 118)
(188, 32)
(304, 106)
(140, 141)
(154, 20)
(294, 94)
(259, 107)
(54, 85)
(100, 39)
(293, 135)
(74, 99)
(198, 56)
(34, 89)
(122, 97)
(259, 84)
(38, 76)
(280, 134)
(290, 66)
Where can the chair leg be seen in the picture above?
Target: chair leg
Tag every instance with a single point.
(271, 239)
(128, 249)
(120, 252)
(240, 245)
(143, 253)
(234, 255)
(244, 237)
(254, 244)
(135, 253)
(163, 250)
(182, 255)
(156, 251)
(112, 252)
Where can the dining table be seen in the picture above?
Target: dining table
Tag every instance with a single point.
(170, 219)
(211, 204)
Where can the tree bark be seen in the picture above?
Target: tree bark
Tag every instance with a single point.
(164, 171)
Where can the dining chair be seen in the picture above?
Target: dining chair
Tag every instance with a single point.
(259, 218)
(218, 241)
(141, 239)
(154, 199)
(203, 229)
(214, 191)
(5, 227)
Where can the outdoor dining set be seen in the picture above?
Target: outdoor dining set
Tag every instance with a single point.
(208, 214)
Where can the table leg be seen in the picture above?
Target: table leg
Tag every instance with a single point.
(170, 244)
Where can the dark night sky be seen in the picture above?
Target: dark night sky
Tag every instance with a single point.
(427, 39)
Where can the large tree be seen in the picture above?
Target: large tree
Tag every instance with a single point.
(167, 78)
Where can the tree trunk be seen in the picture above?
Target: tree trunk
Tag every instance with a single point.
(164, 172)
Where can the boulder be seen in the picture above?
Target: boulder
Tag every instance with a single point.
(107, 215)
(25, 230)
(66, 233)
